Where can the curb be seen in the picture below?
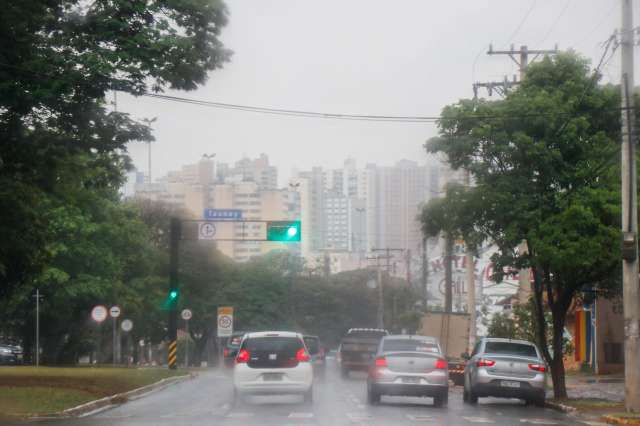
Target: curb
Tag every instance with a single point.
(98, 405)
(616, 420)
(561, 407)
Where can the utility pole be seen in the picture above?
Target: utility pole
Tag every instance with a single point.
(409, 267)
(471, 285)
(448, 273)
(425, 273)
(38, 297)
(387, 256)
(521, 59)
(630, 291)
(176, 231)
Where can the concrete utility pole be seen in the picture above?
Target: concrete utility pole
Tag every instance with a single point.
(425, 273)
(521, 59)
(630, 291)
(471, 285)
(387, 256)
(38, 297)
(448, 273)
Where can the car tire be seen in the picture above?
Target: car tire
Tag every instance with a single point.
(441, 400)
(538, 401)
(472, 398)
(308, 396)
(373, 396)
(344, 372)
(465, 395)
(458, 380)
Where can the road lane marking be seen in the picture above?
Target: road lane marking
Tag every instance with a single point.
(539, 421)
(359, 417)
(419, 418)
(478, 420)
(300, 415)
(240, 415)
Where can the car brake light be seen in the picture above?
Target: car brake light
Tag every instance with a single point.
(381, 362)
(441, 364)
(243, 356)
(538, 367)
(302, 355)
(485, 363)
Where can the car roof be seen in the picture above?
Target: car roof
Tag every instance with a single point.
(428, 339)
(500, 339)
(380, 330)
(310, 336)
(272, 334)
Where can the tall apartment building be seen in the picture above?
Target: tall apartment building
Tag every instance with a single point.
(395, 197)
(250, 186)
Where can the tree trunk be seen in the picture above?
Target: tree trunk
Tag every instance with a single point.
(559, 313)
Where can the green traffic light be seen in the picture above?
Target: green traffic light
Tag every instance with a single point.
(286, 231)
(173, 294)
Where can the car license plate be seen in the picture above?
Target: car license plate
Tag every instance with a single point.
(272, 377)
(509, 384)
(411, 380)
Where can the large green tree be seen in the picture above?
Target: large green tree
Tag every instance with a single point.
(58, 61)
(543, 165)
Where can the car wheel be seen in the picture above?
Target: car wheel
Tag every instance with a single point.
(465, 395)
(472, 397)
(373, 397)
(458, 380)
(538, 401)
(308, 396)
(344, 372)
(440, 400)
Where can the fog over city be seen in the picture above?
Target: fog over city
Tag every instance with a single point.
(361, 57)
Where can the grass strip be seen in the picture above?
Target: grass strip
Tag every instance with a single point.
(29, 391)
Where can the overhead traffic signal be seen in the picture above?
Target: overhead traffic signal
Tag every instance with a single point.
(171, 300)
(284, 231)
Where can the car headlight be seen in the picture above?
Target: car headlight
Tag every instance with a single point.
(5, 351)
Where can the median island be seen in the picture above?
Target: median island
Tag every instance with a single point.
(30, 391)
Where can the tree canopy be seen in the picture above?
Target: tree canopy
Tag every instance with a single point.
(543, 163)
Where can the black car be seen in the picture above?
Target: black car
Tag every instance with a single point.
(10, 355)
(230, 349)
(317, 352)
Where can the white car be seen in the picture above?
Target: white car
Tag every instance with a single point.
(273, 363)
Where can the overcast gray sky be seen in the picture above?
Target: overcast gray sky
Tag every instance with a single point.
(402, 57)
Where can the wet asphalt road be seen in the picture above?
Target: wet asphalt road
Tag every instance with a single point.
(207, 400)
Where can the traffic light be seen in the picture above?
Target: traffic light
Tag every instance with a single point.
(284, 231)
(171, 301)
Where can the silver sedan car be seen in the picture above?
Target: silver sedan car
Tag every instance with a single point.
(407, 365)
(505, 368)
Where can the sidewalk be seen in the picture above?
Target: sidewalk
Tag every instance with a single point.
(596, 399)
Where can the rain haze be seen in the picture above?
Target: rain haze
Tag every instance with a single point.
(406, 58)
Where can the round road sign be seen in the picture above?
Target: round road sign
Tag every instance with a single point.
(126, 325)
(225, 321)
(99, 313)
(141, 342)
(206, 231)
(114, 311)
(186, 314)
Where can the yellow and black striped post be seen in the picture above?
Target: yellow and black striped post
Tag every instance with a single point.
(174, 291)
(172, 354)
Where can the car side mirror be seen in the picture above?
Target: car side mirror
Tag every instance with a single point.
(465, 356)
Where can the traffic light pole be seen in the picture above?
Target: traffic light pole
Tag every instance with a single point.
(175, 235)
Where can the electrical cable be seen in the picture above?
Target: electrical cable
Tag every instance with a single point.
(524, 19)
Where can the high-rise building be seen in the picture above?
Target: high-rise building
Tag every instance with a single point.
(247, 170)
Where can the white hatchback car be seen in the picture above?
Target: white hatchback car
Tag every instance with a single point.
(273, 363)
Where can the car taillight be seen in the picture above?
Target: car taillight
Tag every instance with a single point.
(302, 355)
(381, 362)
(243, 356)
(225, 352)
(485, 363)
(441, 364)
(538, 367)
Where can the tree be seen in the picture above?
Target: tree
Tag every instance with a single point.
(542, 161)
(58, 60)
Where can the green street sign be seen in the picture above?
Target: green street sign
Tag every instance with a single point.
(287, 231)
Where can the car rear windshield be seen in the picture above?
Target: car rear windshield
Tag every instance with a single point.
(272, 351)
(409, 345)
(312, 345)
(367, 334)
(510, 348)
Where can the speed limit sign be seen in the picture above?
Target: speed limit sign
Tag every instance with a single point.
(225, 321)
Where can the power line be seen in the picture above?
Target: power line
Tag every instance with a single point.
(555, 22)
(524, 19)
